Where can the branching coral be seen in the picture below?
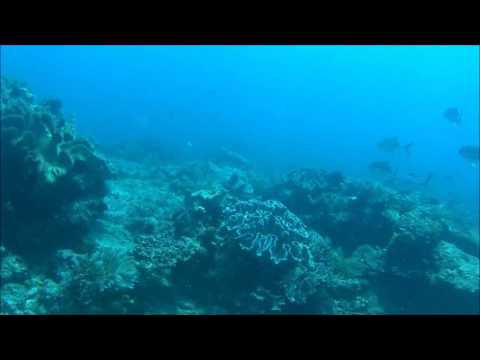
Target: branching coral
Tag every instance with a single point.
(158, 253)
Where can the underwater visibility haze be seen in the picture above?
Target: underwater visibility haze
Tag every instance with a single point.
(239, 179)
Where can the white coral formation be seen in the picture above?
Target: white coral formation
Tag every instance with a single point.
(268, 227)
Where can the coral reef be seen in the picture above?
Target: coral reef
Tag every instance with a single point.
(24, 292)
(87, 235)
(12, 268)
(46, 169)
(455, 269)
(393, 237)
(98, 282)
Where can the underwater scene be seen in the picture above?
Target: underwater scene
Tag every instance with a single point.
(329, 180)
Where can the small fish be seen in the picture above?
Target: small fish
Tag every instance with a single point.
(189, 144)
(470, 153)
(453, 115)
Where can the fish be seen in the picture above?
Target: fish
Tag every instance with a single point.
(380, 167)
(470, 153)
(392, 144)
(453, 115)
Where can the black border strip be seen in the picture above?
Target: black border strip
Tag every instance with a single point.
(326, 37)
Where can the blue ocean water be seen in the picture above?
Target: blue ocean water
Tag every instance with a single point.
(283, 108)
